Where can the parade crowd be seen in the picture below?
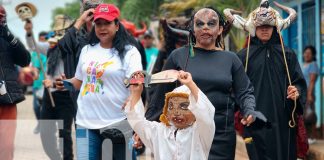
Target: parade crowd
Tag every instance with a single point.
(185, 98)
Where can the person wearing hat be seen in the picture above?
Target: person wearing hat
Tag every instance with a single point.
(279, 85)
(13, 53)
(26, 11)
(36, 48)
(108, 59)
(64, 111)
(76, 37)
(151, 52)
(187, 124)
(62, 23)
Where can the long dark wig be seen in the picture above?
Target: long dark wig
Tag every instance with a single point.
(121, 39)
(222, 23)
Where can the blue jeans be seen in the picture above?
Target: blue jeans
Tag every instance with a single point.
(95, 144)
(36, 104)
(88, 144)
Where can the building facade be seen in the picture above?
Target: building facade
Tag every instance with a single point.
(308, 29)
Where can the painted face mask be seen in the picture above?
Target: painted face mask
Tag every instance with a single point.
(206, 26)
(176, 111)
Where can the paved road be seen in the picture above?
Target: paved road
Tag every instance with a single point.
(28, 145)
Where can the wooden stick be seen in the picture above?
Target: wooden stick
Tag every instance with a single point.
(42, 67)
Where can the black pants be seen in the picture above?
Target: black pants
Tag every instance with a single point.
(119, 133)
(58, 118)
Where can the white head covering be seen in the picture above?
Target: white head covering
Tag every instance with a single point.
(182, 89)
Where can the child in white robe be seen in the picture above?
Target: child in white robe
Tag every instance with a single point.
(187, 124)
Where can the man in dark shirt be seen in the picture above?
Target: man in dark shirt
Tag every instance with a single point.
(76, 37)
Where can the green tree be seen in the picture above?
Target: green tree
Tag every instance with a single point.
(71, 9)
(134, 10)
(140, 10)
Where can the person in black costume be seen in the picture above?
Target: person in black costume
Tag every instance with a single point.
(275, 89)
(217, 73)
(266, 70)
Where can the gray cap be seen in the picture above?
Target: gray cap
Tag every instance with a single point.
(148, 33)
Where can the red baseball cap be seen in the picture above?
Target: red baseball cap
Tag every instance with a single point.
(108, 12)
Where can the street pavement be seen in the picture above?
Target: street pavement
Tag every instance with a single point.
(28, 145)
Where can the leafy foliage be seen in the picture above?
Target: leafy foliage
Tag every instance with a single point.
(140, 10)
(70, 9)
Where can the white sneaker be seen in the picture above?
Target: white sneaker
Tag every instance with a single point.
(36, 129)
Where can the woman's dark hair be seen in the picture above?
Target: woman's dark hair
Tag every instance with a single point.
(121, 39)
(222, 22)
(312, 49)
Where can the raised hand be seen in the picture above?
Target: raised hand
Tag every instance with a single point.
(136, 89)
(136, 92)
(185, 78)
(87, 16)
(28, 27)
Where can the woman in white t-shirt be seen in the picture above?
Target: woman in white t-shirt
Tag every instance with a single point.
(103, 65)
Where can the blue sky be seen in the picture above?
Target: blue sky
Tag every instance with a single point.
(41, 22)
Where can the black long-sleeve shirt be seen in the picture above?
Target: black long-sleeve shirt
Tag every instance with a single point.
(218, 74)
(70, 46)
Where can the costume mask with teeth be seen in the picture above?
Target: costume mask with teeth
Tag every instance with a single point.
(175, 111)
